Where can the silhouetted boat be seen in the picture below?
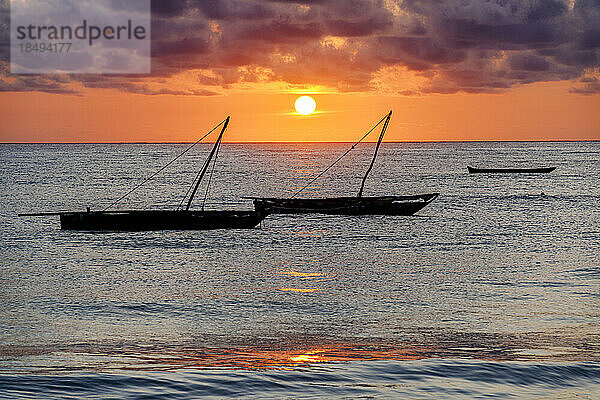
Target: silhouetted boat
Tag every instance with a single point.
(510, 170)
(383, 205)
(152, 220)
(144, 220)
(359, 205)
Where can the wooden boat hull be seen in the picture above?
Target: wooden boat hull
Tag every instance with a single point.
(137, 220)
(385, 205)
(510, 170)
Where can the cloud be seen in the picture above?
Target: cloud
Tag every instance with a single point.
(591, 85)
(528, 62)
(449, 46)
(54, 84)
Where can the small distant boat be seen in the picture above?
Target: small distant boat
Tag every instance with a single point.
(359, 205)
(146, 220)
(510, 170)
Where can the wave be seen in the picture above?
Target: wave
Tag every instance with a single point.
(376, 379)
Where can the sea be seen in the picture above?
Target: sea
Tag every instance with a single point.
(491, 291)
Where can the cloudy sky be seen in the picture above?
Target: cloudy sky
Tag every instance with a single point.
(450, 70)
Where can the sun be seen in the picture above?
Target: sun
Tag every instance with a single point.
(305, 105)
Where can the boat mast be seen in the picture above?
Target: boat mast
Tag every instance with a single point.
(207, 163)
(385, 125)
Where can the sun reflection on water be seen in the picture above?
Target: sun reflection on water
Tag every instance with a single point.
(305, 290)
(257, 358)
(298, 281)
(305, 358)
(284, 353)
(303, 275)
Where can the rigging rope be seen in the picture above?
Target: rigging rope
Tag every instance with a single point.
(161, 169)
(342, 156)
(211, 175)
(383, 129)
(192, 185)
(194, 181)
(206, 165)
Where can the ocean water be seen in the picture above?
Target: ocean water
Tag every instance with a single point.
(492, 290)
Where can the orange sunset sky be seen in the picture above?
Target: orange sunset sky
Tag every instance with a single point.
(450, 70)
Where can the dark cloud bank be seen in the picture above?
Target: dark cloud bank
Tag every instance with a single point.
(455, 45)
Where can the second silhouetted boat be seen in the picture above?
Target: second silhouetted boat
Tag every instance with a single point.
(359, 205)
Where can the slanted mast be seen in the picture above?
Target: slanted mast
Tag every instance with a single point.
(207, 163)
(383, 129)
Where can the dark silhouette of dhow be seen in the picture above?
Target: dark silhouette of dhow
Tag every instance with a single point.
(544, 170)
(359, 205)
(383, 205)
(148, 220)
(145, 220)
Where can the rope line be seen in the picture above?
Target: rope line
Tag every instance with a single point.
(339, 158)
(210, 176)
(194, 181)
(207, 164)
(161, 169)
(191, 185)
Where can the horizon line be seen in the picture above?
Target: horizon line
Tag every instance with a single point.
(324, 142)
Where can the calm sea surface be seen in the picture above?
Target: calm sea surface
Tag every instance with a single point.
(493, 290)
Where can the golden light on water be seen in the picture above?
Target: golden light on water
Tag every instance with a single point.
(298, 290)
(303, 275)
(300, 279)
(305, 105)
(304, 358)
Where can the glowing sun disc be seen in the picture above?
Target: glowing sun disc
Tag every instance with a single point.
(305, 105)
